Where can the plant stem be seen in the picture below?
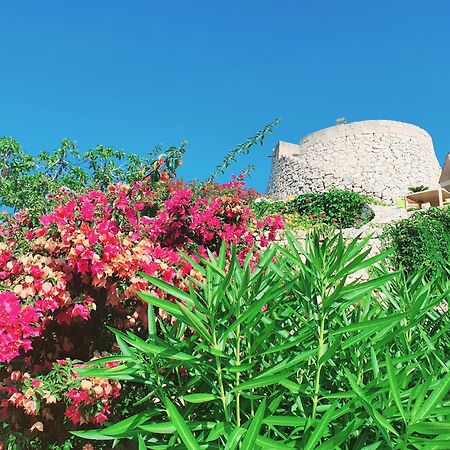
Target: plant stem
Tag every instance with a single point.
(151, 323)
(220, 380)
(238, 375)
(321, 351)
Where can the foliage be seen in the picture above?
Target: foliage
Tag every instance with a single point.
(242, 149)
(84, 225)
(336, 208)
(420, 240)
(293, 352)
(420, 188)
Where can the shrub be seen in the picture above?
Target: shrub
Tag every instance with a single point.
(343, 208)
(422, 240)
(71, 263)
(337, 208)
(290, 354)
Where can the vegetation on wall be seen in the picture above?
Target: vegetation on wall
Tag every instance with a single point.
(422, 240)
(338, 208)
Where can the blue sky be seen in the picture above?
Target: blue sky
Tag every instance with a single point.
(139, 73)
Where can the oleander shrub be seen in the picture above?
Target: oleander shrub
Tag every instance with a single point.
(337, 208)
(293, 352)
(422, 240)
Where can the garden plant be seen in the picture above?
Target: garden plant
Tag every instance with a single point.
(422, 240)
(335, 208)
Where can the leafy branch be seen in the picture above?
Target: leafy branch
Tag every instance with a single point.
(242, 149)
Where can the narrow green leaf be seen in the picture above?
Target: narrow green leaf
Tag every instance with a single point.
(285, 421)
(123, 346)
(141, 442)
(169, 288)
(195, 323)
(183, 430)
(129, 424)
(169, 427)
(375, 365)
(171, 308)
(376, 324)
(430, 428)
(95, 435)
(434, 398)
(163, 350)
(239, 368)
(333, 442)
(353, 291)
(234, 438)
(254, 427)
(320, 430)
(159, 428)
(392, 377)
(381, 421)
(330, 351)
(261, 381)
(199, 398)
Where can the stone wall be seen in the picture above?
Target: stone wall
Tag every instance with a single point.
(379, 158)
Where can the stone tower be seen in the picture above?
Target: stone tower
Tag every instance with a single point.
(378, 158)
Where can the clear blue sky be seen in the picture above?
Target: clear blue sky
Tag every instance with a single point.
(133, 74)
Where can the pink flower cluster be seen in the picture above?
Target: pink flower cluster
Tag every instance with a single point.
(88, 401)
(18, 324)
(91, 403)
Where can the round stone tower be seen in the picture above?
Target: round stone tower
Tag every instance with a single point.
(378, 158)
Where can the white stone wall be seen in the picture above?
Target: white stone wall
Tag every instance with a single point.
(379, 158)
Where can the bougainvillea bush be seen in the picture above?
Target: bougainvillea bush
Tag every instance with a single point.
(63, 281)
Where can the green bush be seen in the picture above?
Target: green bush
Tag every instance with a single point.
(338, 208)
(290, 354)
(420, 240)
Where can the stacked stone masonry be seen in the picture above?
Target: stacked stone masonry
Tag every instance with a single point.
(378, 158)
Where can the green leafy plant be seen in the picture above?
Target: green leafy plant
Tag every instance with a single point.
(420, 188)
(343, 208)
(422, 240)
(295, 352)
(264, 207)
(335, 207)
(242, 149)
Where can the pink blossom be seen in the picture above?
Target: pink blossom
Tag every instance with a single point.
(80, 311)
